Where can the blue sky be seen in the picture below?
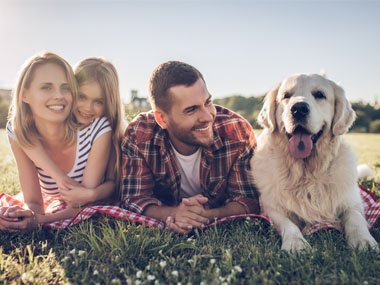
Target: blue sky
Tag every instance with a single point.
(241, 47)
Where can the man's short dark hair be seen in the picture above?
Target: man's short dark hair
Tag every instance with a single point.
(167, 75)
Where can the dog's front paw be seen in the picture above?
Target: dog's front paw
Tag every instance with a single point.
(294, 244)
(363, 242)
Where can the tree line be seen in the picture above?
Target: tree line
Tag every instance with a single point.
(367, 115)
(367, 120)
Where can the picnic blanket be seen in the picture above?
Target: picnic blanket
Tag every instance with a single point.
(53, 204)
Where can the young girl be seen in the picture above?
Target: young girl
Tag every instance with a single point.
(98, 96)
(98, 101)
(41, 117)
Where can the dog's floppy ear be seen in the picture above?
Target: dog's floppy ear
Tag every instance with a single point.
(344, 115)
(267, 115)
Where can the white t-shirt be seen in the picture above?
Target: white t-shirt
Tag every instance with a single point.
(189, 167)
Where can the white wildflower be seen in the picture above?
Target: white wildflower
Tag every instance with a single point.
(151, 277)
(66, 258)
(139, 274)
(72, 251)
(26, 277)
(162, 263)
(96, 272)
(212, 261)
(238, 268)
(138, 282)
(191, 240)
(175, 273)
(81, 252)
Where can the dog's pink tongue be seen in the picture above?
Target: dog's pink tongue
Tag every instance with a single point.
(300, 145)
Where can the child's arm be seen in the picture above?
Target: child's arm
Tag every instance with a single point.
(42, 160)
(72, 192)
(77, 195)
(99, 160)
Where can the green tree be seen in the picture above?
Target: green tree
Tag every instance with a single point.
(374, 126)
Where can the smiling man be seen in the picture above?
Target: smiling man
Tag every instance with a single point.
(186, 161)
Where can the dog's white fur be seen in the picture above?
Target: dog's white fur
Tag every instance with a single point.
(319, 188)
(364, 171)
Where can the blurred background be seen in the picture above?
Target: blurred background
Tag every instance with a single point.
(243, 48)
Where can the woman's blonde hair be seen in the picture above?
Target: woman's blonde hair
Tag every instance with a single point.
(104, 73)
(20, 114)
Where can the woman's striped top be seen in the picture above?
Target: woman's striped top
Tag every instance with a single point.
(85, 140)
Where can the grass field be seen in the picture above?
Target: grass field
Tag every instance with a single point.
(108, 251)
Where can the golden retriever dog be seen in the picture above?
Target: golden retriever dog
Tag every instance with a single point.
(303, 169)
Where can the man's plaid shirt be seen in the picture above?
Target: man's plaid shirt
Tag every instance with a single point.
(150, 175)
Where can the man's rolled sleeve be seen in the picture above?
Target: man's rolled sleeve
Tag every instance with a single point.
(137, 180)
(251, 205)
(240, 185)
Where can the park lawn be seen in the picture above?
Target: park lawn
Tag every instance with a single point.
(367, 148)
(108, 251)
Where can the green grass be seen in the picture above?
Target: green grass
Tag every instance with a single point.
(367, 148)
(109, 251)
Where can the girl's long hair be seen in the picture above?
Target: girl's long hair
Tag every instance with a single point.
(104, 73)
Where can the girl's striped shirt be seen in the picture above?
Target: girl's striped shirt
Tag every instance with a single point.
(85, 139)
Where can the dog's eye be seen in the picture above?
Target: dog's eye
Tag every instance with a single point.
(287, 95)
(318, 94)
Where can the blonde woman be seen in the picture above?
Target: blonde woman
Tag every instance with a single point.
(42, 115)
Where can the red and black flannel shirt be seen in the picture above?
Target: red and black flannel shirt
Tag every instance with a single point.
(150, 175)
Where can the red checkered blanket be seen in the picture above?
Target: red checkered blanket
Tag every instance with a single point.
(52, 204)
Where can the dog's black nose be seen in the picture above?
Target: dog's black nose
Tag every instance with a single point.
(300, 110)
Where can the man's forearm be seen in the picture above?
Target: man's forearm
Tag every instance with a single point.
(159, 212)
(232, 208)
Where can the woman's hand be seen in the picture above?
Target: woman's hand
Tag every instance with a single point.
(17, 218)
(4, 215)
